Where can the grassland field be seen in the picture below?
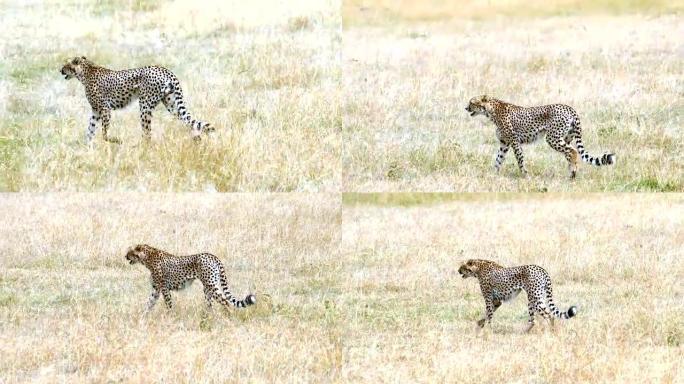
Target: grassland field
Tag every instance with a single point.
(330, 100)
(409, 69)
(367, 291)
(265, 74)
(71, 307)
(617, 257)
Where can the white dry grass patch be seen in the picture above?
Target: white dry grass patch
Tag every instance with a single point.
(71, 306)
(617, 257)
(406, 86)
(269, 84)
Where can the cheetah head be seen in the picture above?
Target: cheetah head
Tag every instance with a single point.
(473, 267)
(480, 105)
(137, 254)
(74, 67)
(468, 269)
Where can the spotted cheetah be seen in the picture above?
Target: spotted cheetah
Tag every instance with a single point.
(107, 90)
(170, 272)
(522, 125)
(499, 284)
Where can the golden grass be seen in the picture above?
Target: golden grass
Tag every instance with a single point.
(411, 317)
(71, 306)
(406, 86)
(265, 74)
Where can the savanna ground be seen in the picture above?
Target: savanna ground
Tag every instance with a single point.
(366, 292)
(410, 317)
(71, 306)
(265, 74)
(409, 69)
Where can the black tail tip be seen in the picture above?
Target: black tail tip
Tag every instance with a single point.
(610, 158)
(208, 128)
(572, 311)
(250, 299)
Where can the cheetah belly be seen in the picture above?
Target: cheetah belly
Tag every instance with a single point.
(529, 137)
(505, 295)
(182, 284)
(120, 100)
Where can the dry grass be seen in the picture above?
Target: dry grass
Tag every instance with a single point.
(386, 12)
(267, 75)
(407, 81)
(70, 305)
(411, 318)
(389, 307)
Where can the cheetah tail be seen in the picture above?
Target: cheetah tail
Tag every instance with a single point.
(177, 107)
(605, 159)
(247, 301)
(571, 312)
(228, 297)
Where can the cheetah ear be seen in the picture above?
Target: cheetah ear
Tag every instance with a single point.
(485, 98)
(83, 57)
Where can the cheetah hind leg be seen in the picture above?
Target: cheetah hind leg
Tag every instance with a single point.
(571, 155)
(208, 294)
(573, 158)
(530, 322)
(545, 312)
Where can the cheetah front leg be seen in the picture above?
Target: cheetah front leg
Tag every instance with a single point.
(167, 297)
(208, 294)
(92, 126)
(530, 311)
(106, 115)
(490, 306)
(154, 296)
(503, 149)
(517, 150)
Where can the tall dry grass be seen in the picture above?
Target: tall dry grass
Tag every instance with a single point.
(410, 317)
(71, 306)
(266, 74)
(407, 80)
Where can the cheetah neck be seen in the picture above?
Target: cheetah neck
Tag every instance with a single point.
(487, 268)
(88, 72)
(499, 109)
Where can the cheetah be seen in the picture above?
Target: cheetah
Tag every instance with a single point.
(499, 284)
(107, 90)
(523, 125)
(170, 272)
